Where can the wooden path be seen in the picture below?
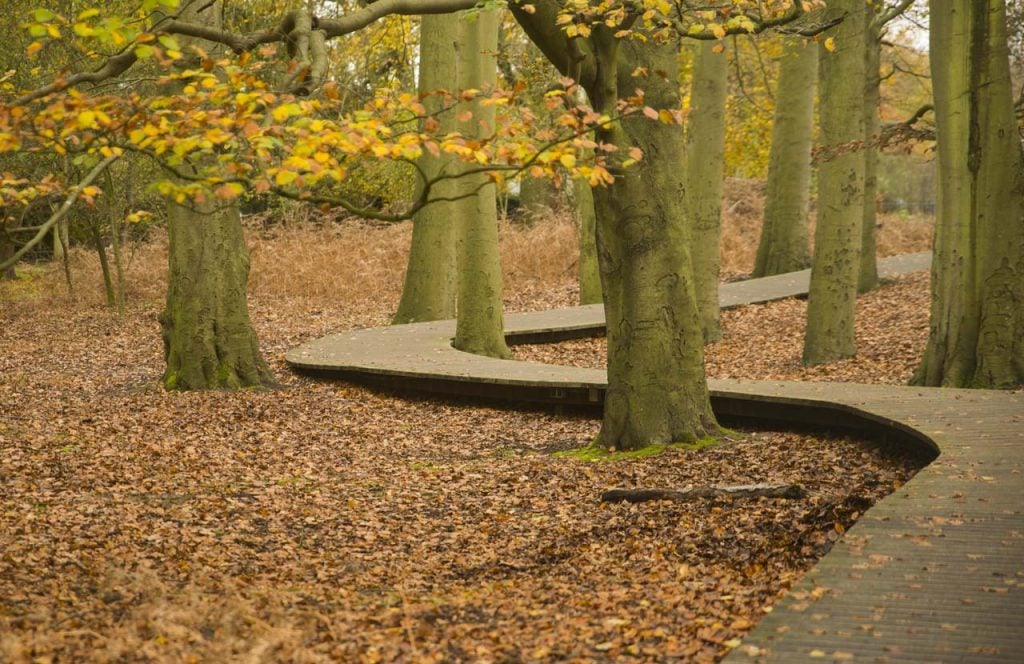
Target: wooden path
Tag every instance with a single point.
(932, 573)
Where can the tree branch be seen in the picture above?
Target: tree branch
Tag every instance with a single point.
(61, 212)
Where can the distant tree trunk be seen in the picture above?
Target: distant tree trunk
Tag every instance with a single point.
(783, 245)
(586, 223)
(657, 391)
(209, 341)
(832, 299)
(6, 253)
(705, 162)
(430, 278)
(976, 338)
(537, 196)
(868, 276)
(480, 324)
(101, 251)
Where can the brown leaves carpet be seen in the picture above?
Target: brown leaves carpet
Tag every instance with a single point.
(327, 522)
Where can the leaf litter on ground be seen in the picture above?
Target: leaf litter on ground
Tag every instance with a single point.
(323, 521)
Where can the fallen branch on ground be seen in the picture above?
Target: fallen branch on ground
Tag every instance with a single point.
(711, 491)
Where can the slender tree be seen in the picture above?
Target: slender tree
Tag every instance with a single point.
(705, 161)
(832, 298)
(480, 325)
(976, 336)
(783, 244)
(589, 272)
(867, 277)
(430, 278)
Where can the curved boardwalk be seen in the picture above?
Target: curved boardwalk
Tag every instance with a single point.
(932, 573)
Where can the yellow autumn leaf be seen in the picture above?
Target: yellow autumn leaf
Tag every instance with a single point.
(568, 160)
(86, 120)
(830, 44)
(33, 48)
(284, 178)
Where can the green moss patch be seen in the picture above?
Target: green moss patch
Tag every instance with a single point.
(598, 453)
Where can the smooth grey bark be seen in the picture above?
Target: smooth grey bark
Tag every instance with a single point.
(586, 224)
(480, 324)
(867, 277)
(832, 297)
(783, 243)
(209, 341)
(976, 335)
(705, 164)
(430, 289)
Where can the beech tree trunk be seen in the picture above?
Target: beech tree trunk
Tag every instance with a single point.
(783, 244)
(7, 250)
(868, 275)
(480, 325)
(209, 341)
(430, 278)
(586, 224)
(976, 336)
(657, 390)
(537, 196)
(832, 299)
(705, 161)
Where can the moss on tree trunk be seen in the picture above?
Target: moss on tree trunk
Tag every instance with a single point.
(209, 341)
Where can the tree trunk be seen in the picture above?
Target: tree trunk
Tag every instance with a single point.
(537, 196)
(7, 250)
(430, 283)
(586, 223)
(783, 244)
(657, 390)
(209, 341)
(832, 298)
(976, 338)
(480, 325)
(705, 161)
(868, 275)
(208, 338)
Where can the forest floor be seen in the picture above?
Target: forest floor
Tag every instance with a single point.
(323, 521)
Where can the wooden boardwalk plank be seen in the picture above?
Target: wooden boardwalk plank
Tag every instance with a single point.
(932, 573)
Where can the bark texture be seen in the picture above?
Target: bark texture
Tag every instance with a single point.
(976, 336)
(832, 297)
(783, 244)
(209, 341)
(705, 161)
(480, 325)
(430, 290)
(657, 390)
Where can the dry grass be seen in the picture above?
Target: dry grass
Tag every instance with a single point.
(742, 212)
(334, 263)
